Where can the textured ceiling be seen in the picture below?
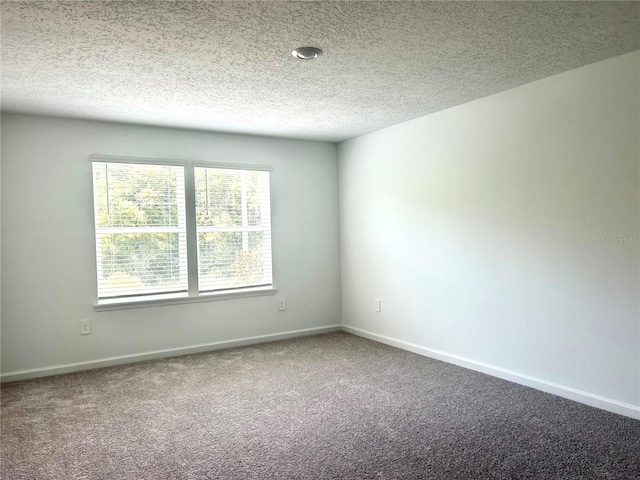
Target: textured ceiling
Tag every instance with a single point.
(227, 65)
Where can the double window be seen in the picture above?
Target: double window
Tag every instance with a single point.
(173, 229)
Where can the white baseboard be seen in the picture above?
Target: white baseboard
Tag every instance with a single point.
(580, 396)
(169, 352)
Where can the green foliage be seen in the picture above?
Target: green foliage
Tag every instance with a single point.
(222, 260)
(153, 258)
(138, 196)
(219, 197)
(148, 196)
(223, 263)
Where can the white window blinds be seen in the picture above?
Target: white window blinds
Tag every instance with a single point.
(233, 219)
(140, 229)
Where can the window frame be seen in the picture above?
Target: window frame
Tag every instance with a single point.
(192, 294)
(244, 229)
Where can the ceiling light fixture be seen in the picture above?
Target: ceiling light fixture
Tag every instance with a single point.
(307, 53)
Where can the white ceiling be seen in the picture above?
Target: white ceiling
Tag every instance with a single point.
(227, 66)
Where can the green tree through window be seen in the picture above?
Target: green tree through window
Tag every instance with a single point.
(141, 228)
(233, 222)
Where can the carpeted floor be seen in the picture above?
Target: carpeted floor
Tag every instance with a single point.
(327, 406)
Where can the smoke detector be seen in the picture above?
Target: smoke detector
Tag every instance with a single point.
(307, 53)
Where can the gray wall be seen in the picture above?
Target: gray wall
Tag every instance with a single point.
(490, 231)
(48, 250)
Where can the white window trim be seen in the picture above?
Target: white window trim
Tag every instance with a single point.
(181, 298)
(193, 295)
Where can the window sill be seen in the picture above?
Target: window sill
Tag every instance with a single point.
(158, 300)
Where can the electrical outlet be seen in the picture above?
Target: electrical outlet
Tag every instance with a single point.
(85, 327)
(282, 304)
(378, 305)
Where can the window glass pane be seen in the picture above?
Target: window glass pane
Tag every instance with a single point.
(217, 259)
(255, 242)
(218, 197)
(130, 195)
(140, 229)
(254, 196)
(234, 239)
(223, 263)
(141, 263)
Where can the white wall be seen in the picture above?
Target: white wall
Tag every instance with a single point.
(48, 251)
(482, 230)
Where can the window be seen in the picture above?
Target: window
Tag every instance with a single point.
(233, 225)
(140, 229)
(177, 230)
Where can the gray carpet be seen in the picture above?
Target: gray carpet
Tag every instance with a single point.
(328, 406)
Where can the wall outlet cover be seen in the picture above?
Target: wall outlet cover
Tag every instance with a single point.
(282, 304)
(85, 327)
